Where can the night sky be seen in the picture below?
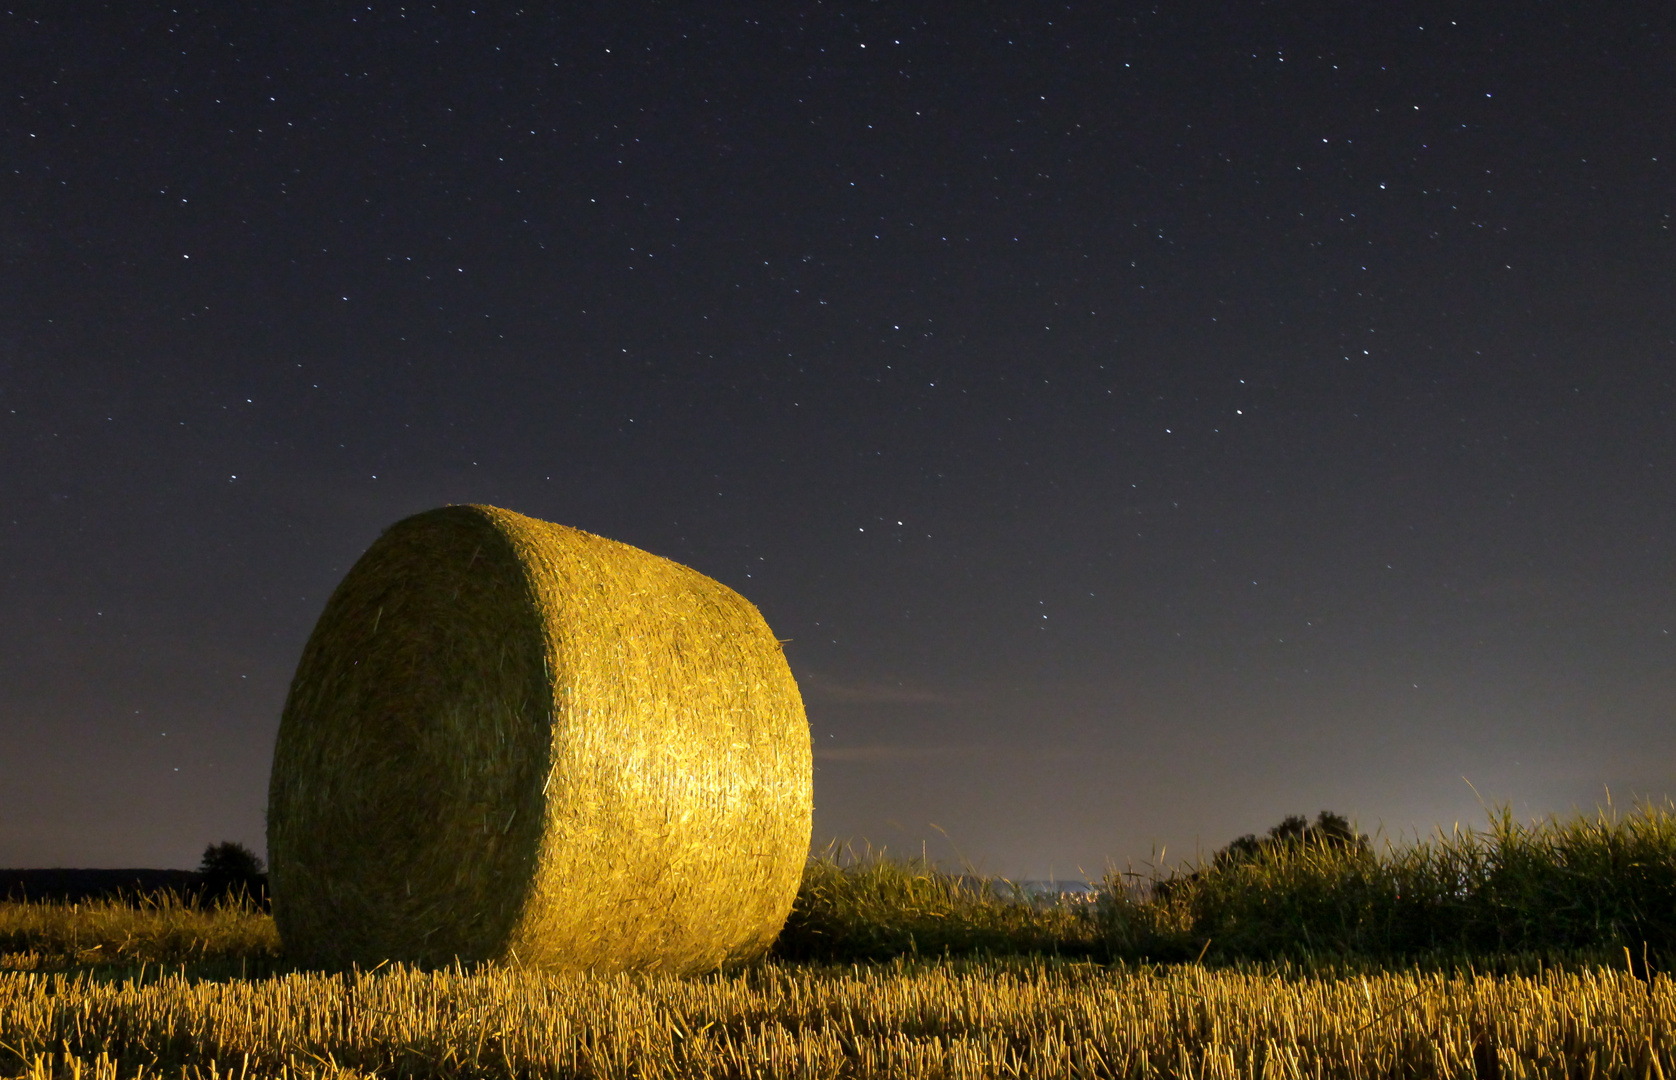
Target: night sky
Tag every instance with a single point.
(1145, 421)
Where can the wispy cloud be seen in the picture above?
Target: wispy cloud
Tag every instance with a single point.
(886, 754)
(877, 692)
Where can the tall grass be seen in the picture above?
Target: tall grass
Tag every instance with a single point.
(1558, 885)
(150, 929)
(1565, 888)
(1562, 888)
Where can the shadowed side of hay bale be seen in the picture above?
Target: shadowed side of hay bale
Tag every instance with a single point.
(508, 739)
(405, 806)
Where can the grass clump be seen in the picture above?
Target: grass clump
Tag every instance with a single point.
(128, 931)
(871, 907)
(1579, 884)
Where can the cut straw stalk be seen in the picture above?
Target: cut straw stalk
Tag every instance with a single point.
(513, 740)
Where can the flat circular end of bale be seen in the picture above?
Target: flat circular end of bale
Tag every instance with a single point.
(511, 740)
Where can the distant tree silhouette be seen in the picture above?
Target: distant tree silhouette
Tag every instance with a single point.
(1294, 831)
(229, 868)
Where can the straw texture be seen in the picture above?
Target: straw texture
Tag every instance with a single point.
(513, 740)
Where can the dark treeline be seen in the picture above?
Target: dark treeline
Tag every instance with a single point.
(228, 870)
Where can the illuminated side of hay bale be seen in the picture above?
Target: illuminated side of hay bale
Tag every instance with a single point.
(512, 740)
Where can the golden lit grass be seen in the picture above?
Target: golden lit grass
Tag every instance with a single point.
(154, 930)
(947, 1019)
(107, 990)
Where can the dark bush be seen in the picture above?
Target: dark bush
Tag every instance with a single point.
(230, 870)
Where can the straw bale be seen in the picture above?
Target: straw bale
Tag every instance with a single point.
(512, 740)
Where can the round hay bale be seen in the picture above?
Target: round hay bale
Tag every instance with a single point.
(512, 740)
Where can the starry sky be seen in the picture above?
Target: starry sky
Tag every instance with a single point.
(1146, 421)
